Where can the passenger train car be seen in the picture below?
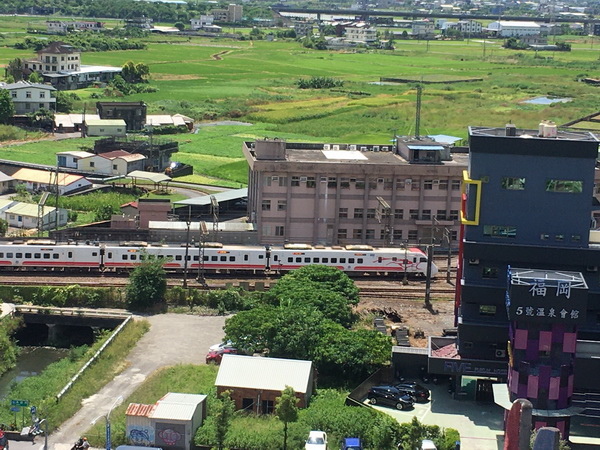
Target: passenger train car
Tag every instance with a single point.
(353, 259)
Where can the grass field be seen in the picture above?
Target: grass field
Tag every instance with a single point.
(255, 81)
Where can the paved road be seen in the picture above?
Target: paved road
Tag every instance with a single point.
(172, 339)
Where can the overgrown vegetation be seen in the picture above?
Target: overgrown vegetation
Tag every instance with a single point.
(319, 83)
(86, 41)
(147, 284)
(8, 347)
(42, 389)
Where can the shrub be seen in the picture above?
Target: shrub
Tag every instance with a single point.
(319, 83)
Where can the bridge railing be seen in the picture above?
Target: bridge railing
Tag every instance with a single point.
(32, 309)
(96, 355)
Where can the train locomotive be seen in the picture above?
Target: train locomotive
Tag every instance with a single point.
(104, 257)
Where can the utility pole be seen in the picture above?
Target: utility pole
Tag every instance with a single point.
(202, 242)
(405, 278)
(428, 281)
(188, 222)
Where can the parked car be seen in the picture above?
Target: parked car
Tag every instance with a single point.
(418, 392)
(352, 444)
(390, 396)
(317, 440)
(221, 345)
(215, 356)
(427, 444)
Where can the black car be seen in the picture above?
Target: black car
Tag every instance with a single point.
(390, 396)
(415, 390)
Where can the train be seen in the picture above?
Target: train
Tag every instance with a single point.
(36, 255)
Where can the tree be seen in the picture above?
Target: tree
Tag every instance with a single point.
(224, 410)
(35, 77)
(8, 347)
(42, 118)
(7, 108)
(104, 212)
(147, 283)
(286, 410)
(180, 26)
(65, 101)
(135, 73)
(14, 69)
(3, 227)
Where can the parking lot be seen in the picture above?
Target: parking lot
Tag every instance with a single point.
(481, 425)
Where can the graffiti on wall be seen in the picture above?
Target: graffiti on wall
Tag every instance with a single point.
(140, 435)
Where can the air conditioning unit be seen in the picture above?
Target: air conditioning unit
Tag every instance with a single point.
(323, 179)
(385, 149)
(408, 181)
(275, 178)
(500, 353)
(474, 261)
(363, 149)
(380, 180)
(352, 147)
(436, 181)
(303, 179)
(376, 148)
(336, 147)
(325, 146)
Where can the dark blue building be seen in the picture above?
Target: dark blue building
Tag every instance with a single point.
(528, 297)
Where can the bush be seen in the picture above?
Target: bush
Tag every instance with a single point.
(319, 83)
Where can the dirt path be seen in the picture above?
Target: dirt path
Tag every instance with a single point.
(172, 339)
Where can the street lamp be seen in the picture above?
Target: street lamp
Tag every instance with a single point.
(405, 279)
(107, 418)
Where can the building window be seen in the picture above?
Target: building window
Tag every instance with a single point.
(310, 182)
(345, 183)
(357, 233)
(360, 183)
(370, 234)
(489, 272)
(399, 185)
(388, 183)
(399, 214)
(266, 205)
(428, 185)
(570, 186)
(397, 235)
(559, 237)
(279, 230)
(544, 236)
(114, 167)
(13, 94)
(443, 186)
(413, 235)
(415, 185)
(268, 181)
(453, 214)
(343, 213)
(500, 231)
(27, 94)
(414, 214)
(342, 233)
(372, 183)
(358, 213)
(426, 214)
(41, 105)
(456, 185)
(453, 235)
(382, 234)
(575, 238)
(295, 181)
(513, 183)
(281, 205)
(282, 181)
(332, 182)
(267, 406)
(92, 164)
(441, 214)
(371, 213)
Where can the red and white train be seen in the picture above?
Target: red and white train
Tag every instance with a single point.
(356, 259)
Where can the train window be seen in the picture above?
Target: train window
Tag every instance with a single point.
(490, 272)
(160, 256)
(333, 260)
(124, 257)
(142, 256)
(290, 259)
(343, 260)
(359, 260)
(94, 253)
(110, 255)
(1, 254)
(223, 258)
(307, 260)
(316, 260)
(214, 258)
(246, 257)
(232, 258)
(261, 256)
(169, 256)
(351, 260)
(414, 260)
(37, 255)
(178, 257)
(196, 258)
(28, 255)
(325, 260)
(55, 256)
(298, 259)
(9, 255)
(423, 260)
(133, 257)
(379, 259)
(276, 258)
(46, 255)
(205, 258)
(18, 255)
(394, 259)
(69, 255)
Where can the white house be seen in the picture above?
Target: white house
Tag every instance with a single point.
(202, 22)
(45, 180)
(361, 33)
(105, 127)
(7, 183)
(422, 28)
(468, 27)
(71, 159)
(118, 162)
(512, 28)
(25, 215)
(29, 97)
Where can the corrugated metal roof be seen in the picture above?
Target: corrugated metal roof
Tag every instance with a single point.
(255, 372)
(45, 176)
(178, 397)
(76, 154)
(195, 226)
(139, 409)
(202, 200)
(4, 177)
(28, 209)
(173, 411)
(426, 147)
(107, 122)
(155, 177)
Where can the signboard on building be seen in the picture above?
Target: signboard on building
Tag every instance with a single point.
(546, 296)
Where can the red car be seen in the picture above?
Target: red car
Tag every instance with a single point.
(215, 356)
